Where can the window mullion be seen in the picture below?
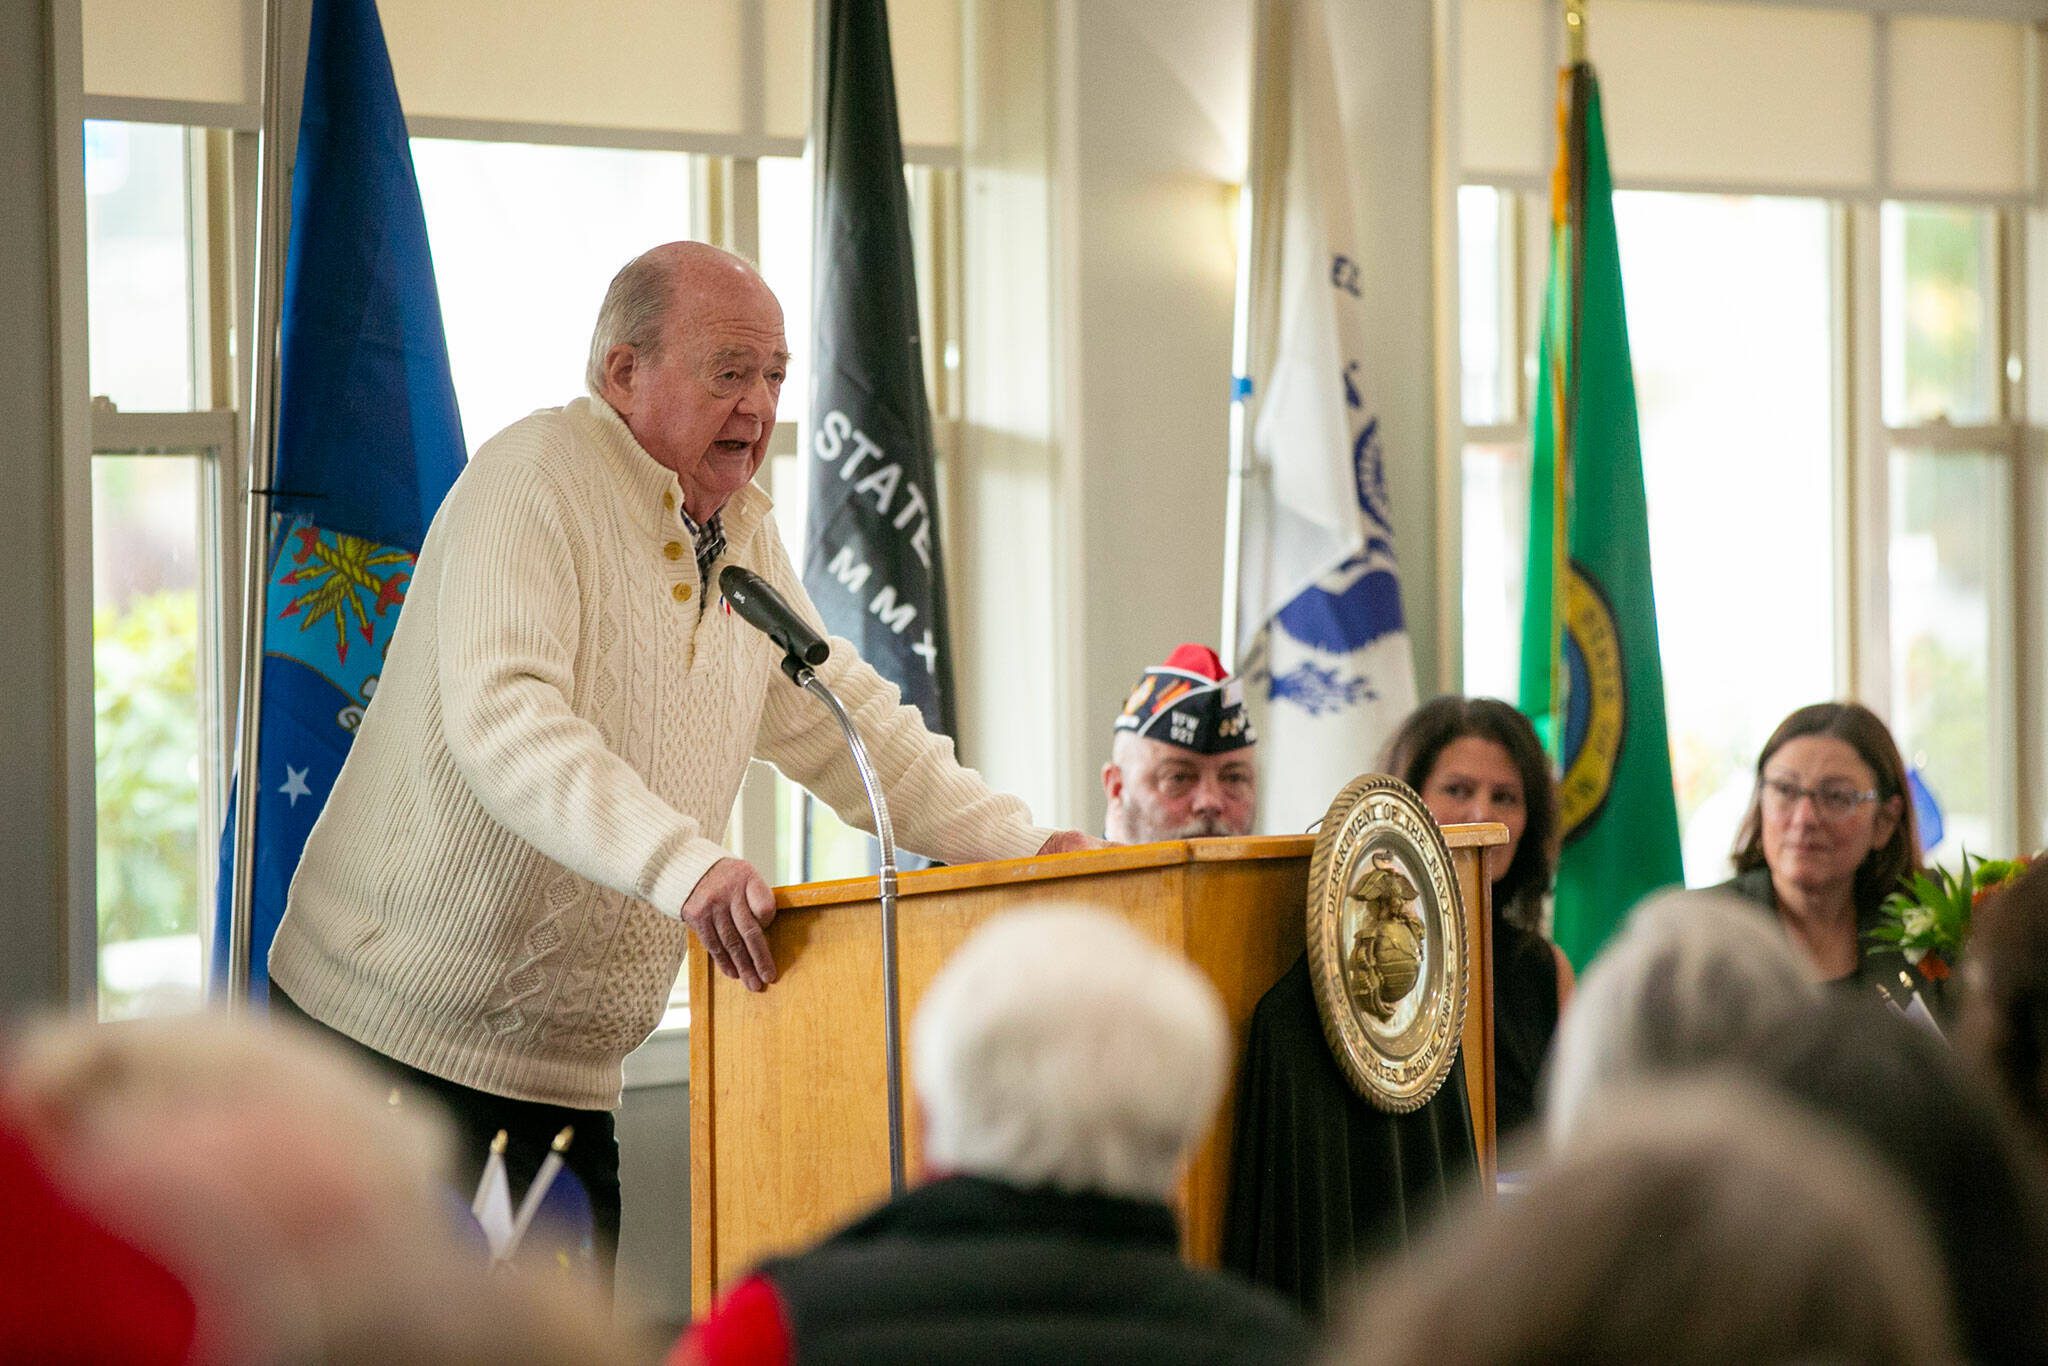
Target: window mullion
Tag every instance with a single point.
(1842, 292)
(1869, 504)
(2027, 700)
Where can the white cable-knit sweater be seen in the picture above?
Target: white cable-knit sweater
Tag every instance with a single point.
(492, 894)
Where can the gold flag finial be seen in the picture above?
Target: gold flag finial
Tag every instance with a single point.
(563, 1139)
(1575, 32)
(498, 1143)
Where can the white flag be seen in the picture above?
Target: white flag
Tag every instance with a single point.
(1323, 642)
(493, 1204)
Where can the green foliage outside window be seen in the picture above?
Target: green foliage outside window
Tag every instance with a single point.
(1949, 366)
(146, 746)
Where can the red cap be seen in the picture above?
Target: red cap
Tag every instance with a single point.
(1196, 659)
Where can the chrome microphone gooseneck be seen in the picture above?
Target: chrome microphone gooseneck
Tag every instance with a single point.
(802, 675)
(757, 602)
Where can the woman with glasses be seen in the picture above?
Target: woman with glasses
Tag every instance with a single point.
(1828, 836)
(1478, 759)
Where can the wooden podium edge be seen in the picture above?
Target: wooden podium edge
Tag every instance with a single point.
(1087, 863)
(1045, 867)
(703, 1237)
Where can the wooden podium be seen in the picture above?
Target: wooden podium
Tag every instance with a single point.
(788, 1120)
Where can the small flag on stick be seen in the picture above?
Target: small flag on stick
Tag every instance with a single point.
(493, 1204)
(543, 1181)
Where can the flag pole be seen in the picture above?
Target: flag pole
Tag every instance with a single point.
(1239, 437)
(1258, 222)
(1568, 214)
(273, 215)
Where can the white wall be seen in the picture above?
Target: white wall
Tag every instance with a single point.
(1151, 118)
(1150, 125)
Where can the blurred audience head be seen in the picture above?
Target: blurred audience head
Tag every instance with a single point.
(1693, 980)
(1061, 1047)
(1698, 1222)
(1894, 1085)
(1831, 804)
(2004, 1025)
(1478, 759)
(310, 1215)
(1180, 761)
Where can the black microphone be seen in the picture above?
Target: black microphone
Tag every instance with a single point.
(763, 609)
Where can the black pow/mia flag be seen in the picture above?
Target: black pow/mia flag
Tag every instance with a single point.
(871, 562)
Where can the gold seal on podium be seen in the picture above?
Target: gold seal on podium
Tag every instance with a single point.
(1386, 943)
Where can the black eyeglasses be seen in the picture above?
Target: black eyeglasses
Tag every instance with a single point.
(1833, 800)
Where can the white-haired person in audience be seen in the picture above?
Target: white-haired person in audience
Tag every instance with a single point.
(1066, 1067)
(307, 1213)
(1693, 980)
(1699, 1222)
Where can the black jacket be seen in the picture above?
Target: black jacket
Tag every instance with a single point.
(1878, 966)
(972, 1270)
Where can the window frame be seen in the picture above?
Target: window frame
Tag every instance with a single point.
(211, 436)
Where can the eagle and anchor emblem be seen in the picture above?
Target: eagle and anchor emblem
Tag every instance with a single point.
(1386, 943)
(1386, 948)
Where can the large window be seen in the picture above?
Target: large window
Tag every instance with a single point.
(158, 706)
(139, 219)
(1830, 301)
(526, 238)
(1950, 455)
(1730, 333)
(148, 729)
(1800, 551)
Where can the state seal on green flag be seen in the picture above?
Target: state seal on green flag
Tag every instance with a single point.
(1591, 678)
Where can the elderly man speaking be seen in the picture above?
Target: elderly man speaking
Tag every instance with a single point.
(494, 899)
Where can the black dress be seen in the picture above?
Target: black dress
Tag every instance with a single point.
(1320, 1180)
(1524, 1019)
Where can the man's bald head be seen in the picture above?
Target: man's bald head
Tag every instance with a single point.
(689, 352)
(636, 306)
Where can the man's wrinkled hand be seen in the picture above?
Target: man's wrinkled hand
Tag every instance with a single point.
(730, 909)
(1071, 841)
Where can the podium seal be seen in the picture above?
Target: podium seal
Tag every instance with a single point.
(1386, 943)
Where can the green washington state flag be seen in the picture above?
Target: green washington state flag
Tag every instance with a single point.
(1590, 678)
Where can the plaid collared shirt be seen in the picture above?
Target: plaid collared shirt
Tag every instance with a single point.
(709, 540)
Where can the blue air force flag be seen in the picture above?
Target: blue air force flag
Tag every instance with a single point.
(368, 441)
(1323, 642)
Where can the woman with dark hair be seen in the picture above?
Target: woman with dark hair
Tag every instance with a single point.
(1478, 759)
(1828, 836)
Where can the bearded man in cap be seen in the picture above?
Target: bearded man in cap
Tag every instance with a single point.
(1181, 762)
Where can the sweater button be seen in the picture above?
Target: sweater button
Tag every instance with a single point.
(682, 592)
(668, 499)
(673, 550)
